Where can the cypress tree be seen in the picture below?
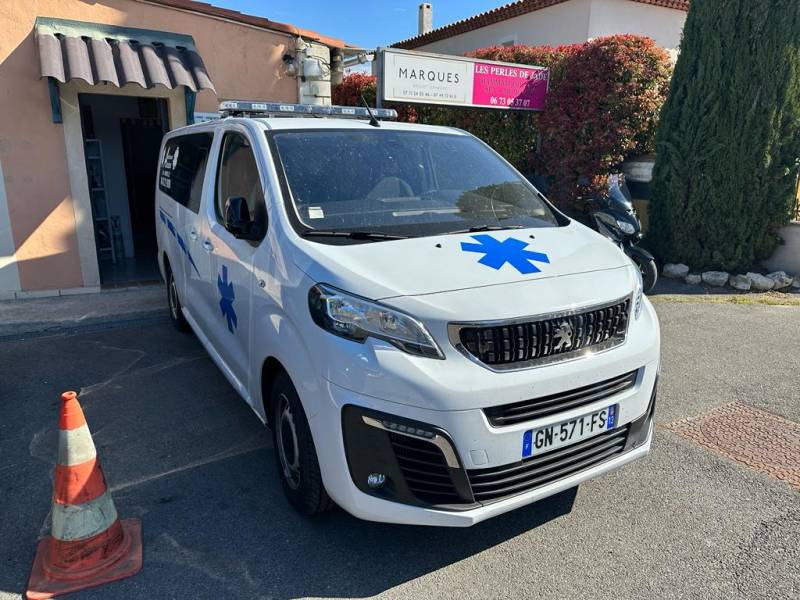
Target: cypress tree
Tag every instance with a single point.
(728, 143)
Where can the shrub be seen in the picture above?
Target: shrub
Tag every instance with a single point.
(353, 86)
(602, 106)
(728, 143)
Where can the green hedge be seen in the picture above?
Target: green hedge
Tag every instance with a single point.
(728, 144)
(603, 109)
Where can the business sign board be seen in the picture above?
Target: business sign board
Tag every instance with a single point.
(424, 78)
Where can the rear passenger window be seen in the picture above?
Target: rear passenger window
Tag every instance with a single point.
(183, 168)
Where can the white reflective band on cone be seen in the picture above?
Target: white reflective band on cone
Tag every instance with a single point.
(81, 521)
(75, 446)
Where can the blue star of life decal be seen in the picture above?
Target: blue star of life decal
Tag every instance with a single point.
(227, 297)
(511, 251)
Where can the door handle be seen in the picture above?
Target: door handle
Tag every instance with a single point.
(193, 234)
(208, 246)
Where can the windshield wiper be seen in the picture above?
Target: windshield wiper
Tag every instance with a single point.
(478, 228)
(354, 235)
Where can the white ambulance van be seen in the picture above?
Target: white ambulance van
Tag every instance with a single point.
(430, 341)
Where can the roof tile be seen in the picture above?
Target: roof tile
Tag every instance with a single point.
(101, 53)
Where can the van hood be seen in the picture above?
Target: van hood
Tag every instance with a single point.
(429, 265)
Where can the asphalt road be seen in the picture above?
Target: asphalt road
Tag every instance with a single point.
(181, 451)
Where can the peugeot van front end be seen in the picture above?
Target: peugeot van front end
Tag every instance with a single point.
(473, 350)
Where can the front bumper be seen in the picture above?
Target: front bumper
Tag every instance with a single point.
(448, 494)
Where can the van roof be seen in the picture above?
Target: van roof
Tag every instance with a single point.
(282, 123)
(295, 123)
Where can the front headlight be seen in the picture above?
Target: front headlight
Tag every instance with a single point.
(637, 293)
(625, 227)
(357, 319)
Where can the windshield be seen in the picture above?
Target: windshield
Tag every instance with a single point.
(619, 192)
(403, 183)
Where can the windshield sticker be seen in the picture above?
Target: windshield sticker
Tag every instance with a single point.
(511, 251)
(227, 296)
(168, 166)
(171, 160)
(181, 243)
(316, 212)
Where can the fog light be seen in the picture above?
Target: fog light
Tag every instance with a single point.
(376, 480)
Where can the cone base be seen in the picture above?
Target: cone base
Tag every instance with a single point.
(42, 584)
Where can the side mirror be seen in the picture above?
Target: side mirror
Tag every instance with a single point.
(237, 219)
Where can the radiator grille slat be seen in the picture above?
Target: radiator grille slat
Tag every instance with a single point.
(413, 471)
(499, 482)
(551, 339)
(527, 410)
(499, 492)
(424, 470)
(533, 471)
(420, 463)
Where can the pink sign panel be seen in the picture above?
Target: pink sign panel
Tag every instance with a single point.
(503, 86)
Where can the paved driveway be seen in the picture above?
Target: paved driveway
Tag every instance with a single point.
(184, 454)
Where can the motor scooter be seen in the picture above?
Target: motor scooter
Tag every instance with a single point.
(612, 214)
(614, 217)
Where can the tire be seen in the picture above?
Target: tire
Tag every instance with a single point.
(295, 453)
(649, 273)
(174, 304)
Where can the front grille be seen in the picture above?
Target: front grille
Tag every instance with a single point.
(424, 470)
(520, 344)
(507, 480)
(527, 410)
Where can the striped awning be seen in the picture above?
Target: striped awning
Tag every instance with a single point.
(98, 53)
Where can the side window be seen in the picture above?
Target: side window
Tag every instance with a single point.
(238, 176)
(183, 168)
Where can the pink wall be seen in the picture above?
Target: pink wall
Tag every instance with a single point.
(243, 62)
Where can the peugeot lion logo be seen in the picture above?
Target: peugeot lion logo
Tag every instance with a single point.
(563, 336)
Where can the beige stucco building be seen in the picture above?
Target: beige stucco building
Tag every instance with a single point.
(553, 22)
(88, 89)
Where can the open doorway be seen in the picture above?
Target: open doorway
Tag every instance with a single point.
(122, 136)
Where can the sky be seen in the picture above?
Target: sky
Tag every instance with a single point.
(365, 24)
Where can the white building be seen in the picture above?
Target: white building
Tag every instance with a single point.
(552, 22)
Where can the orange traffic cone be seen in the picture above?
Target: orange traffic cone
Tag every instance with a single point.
(89, 544)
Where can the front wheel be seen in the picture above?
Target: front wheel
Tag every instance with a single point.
(295, 452)
(647, 267)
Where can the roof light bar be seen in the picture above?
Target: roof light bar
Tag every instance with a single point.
(241, 108)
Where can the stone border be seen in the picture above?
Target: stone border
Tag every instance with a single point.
(751, 281)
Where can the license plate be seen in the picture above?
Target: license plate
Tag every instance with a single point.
(544, 439)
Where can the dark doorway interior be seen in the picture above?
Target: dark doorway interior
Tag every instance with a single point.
(141, 141)
(122, 137)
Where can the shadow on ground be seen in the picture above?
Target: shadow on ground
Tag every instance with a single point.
(666, 286)
(193, 542)
(186, 455)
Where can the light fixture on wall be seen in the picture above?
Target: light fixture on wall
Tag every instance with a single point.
(290, 67)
